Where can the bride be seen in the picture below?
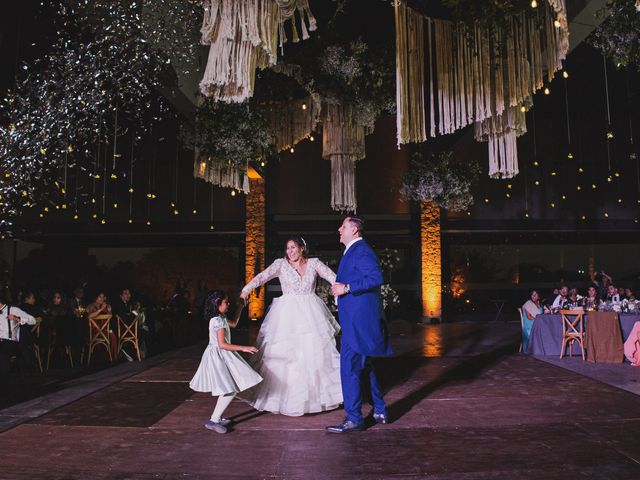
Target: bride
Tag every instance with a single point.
(297, 355)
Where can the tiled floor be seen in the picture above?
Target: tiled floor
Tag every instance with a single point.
(464, 405)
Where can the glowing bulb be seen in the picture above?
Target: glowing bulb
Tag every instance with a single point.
(97, 176)
(211, 227)
(609, 135)
(509, 186)
(194, 211)
(94, 216)
(262, 164)
(233, 193)
(552, 205)
(553, 174)
(148, 222)
(75, 217)
(534, 4)
(311, 138)
(580, 170)
(291, 150)
(537, 182)
(565, 74)
(535, 163)
(523, 109)
(570, 156)
(130, 221)
(304, 106)
(594, 186)
(619, 200)
(508, 195)
(115, 205)
(175, 212)
(114, 176)
(64, 206)
(556, 23)
(564, 197)
(93, 200)
(103, 221)
(606, 215)
(584, 217)
(578, 188)
(130, 189)
(547, 91)
(486, 200)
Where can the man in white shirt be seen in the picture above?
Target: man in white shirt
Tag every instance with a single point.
(560, 299)
(10, 320)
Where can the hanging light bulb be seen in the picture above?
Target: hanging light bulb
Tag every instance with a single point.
(75, 217)
(523, 109)
(304, 106)
(609, 135)
(311, 138)
(130, 221)
(103, 221)
(233, 193)
(195, 211)
(94, 216)
(291, 150)
(537, 183)
(583, 217)
(130, 189)
(262, 164)
(570, 156)
(534, 4)
(565, 74)
(578, 188)
(211, 227)
(547, 91)
(148, 222)
(556, 23)
(176, 212)
(606, 215)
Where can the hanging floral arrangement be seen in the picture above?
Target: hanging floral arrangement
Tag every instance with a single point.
(439, 179)
(618, 36)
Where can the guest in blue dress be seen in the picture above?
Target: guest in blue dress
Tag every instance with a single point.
(530, 310)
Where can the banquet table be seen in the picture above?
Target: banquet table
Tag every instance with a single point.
(546, 334)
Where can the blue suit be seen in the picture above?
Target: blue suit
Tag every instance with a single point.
(364, 331)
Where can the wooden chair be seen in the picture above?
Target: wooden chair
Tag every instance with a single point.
(35, 331)
(572, 330)
(521, 313)
(99, 334)
(53, 344)
(128, 333)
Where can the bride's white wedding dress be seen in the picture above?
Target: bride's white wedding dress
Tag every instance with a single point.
(297, 355)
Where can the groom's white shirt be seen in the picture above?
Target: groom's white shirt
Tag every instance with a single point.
(351, 243)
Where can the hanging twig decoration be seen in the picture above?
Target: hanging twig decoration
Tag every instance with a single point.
(479, 75)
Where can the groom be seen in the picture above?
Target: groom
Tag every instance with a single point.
(364, 334)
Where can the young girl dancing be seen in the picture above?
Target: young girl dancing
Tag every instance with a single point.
(222, 370)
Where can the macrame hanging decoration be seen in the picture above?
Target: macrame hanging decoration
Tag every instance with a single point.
(221, 173)
(291, 122)
(244, 35)
(343, 144)
(411, 124)
(488, 81)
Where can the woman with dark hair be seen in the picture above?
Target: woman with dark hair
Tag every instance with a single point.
(297, 355)
(65, 325)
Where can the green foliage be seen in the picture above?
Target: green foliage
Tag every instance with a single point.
(618, 36)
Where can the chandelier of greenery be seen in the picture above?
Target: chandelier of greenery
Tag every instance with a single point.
(440, 179)
(618, 36)
(106, 64)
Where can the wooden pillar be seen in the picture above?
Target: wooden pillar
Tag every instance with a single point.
(431, 261)
(255, 241)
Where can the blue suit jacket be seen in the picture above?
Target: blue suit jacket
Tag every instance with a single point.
(360, 311)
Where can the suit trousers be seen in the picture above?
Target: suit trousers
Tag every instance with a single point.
(353, 367)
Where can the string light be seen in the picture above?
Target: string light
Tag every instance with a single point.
(547, 91)
(304, 106)
(233, 193)
(534, 4)
(556, 23)
(570, 156)
(130, 221)
(291, 150)
(565, 74)
(311, 138)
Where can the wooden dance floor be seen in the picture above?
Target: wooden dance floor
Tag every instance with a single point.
(464, 406)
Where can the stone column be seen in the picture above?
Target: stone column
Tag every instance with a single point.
(255, 241)
(431, 261)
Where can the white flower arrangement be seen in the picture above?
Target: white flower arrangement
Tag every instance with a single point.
(438, 179)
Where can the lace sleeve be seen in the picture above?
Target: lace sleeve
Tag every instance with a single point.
(325, 272)
(263, 277)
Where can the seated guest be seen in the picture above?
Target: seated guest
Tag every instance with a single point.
(122, 309)
(629, 294)
(64, 322)
(573, 298)
(612, 294)
(77, 300)
(530, 310)
(561, 298)
(11, 319)
(592, 300)
(621, 293)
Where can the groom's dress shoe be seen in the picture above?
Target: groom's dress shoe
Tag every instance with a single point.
(346, 426)
(381, 418)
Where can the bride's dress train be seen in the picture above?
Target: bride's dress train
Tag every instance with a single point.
(297, 355)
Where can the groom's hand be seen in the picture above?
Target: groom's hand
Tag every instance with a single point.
(338, 289)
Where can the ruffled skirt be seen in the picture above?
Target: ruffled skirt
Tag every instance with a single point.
(223, 372)
(297, 358)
